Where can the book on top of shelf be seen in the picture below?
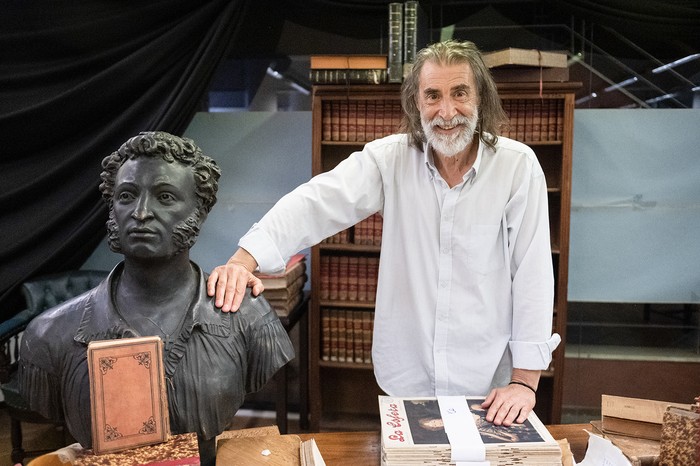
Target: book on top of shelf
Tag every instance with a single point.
(525, 57)
(128, 400)
(296, 266)
(348, 62)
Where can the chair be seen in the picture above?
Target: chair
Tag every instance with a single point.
(40, 294)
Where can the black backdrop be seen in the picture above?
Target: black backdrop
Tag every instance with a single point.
(77, 78)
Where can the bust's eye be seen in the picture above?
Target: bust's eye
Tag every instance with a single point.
(166, 197)
(125, 196)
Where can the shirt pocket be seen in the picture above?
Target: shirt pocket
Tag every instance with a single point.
(484, 248)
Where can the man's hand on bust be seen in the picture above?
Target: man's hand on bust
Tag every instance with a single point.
(228, 282)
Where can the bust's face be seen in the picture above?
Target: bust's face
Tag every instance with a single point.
(151, 198)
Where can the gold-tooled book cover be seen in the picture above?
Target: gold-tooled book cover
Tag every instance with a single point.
(128, 398)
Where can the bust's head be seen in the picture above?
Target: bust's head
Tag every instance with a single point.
(157, 181)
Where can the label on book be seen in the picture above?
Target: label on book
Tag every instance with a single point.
(128, 397)
(465, 441)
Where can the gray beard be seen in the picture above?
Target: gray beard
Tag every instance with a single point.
(449, 146)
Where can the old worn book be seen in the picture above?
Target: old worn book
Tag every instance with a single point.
(525, 57)
(680, 437)
(635, 417)
(348, 62)
(639, 451)
(296, 267)
(288, 292)
(128, 399)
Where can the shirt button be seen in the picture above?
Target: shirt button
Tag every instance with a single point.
(445, 250)
(443, 284)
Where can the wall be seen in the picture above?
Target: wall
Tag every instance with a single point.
(635, 209)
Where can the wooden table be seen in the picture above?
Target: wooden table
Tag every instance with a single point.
(363, 448)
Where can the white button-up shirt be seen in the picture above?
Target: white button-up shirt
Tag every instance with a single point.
(465, 289)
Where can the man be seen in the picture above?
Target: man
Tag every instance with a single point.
(465, 289)
(160, 189)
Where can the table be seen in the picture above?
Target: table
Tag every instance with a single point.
(363, 448)
(298, 315)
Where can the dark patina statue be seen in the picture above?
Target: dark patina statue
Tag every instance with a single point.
(159, 188)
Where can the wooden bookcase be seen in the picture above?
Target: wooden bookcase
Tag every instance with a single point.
(341, 307)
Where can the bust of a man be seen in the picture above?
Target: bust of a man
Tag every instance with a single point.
(159, 189)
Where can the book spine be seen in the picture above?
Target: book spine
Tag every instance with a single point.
(395, 42)
(365, 76)
(410, 31)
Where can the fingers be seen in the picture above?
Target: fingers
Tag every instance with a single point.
(227, 283)
(509, 404)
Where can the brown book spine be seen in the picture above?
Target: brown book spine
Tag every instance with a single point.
(343, 131)
(552, 120)
(352, 120)
(369, 120)
(334, 269)
(358, 351)
(325, 273)
(372, 274)
(362, 279)
(560, 119)
(379, 114)
(349, 336)
(342, 334)
(343, 277)
(367, 325)
(325, 334)
(335, 120)
(353, 277)
(536, 120)
(520, 124)
(528, 120)
(361, 120)
(377, 223)
(326, 121)
(334, 334)
(506, 104)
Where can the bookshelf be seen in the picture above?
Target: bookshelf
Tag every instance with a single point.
(343, 267)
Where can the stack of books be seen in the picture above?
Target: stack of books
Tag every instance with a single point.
(348, 69)
(634, 425)
(413, 433)
(284, 291)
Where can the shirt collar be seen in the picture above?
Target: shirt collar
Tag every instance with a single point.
(429, 159)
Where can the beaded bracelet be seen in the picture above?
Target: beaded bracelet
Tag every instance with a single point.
(523, 384)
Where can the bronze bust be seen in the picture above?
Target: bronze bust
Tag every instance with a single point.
(159, 189)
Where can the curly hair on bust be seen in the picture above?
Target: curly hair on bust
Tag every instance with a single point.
(171, 149)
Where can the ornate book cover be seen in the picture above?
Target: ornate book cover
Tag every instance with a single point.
(128, 399)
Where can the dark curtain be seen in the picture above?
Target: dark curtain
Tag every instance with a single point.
(76, 80)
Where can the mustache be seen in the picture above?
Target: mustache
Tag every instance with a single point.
(454, 121)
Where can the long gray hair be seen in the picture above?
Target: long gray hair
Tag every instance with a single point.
(449, 52)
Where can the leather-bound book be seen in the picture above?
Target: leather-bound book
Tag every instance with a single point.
(128, 398)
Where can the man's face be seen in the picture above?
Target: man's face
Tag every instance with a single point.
(448, 103)
(151, 198)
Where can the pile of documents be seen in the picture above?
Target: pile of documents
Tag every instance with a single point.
(453, 429)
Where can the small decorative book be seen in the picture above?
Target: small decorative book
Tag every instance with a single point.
(128, 398)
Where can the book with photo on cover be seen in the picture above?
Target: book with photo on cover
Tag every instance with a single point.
(128, 399)
(413, 432)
